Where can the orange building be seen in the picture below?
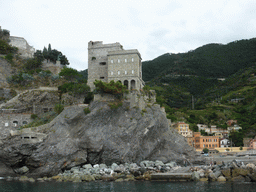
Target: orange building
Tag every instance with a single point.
(209, 142)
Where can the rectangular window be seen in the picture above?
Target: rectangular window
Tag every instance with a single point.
(101, 77)
(118, 72)
(112, 73)
(103, 63)
(112, 61)
(125, 72)
(132, 60)
(118, 60)
(125, 60)
(6, 124)
(132, 71)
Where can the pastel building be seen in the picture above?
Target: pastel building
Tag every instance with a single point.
(201, 142)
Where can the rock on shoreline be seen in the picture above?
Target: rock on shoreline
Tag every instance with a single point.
(233, 171)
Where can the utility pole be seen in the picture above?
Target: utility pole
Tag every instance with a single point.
(193, 103)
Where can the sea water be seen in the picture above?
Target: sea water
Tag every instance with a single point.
(147, 186)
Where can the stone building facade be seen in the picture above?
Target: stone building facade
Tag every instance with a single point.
(108, 62)
(25, 49)
(14, 119)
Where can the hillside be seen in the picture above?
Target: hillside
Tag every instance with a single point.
(211, 60)
(187, 85)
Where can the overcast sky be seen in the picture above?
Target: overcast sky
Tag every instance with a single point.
(153, 27)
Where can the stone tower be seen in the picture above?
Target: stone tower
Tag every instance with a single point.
(108, 62)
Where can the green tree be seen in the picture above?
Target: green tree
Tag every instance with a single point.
(45, 53)
(64, 60)
(38, 55)
(49, 49)
(69, 73)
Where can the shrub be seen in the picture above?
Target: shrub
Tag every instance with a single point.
(55, 77)
(33, 116)
(89, 97)
(44, 74)
(86, 111)
(9, 57)
(205, 150)
(114, 88)
(115, 105)
(241, 148)
(58, 108)
(13, 92)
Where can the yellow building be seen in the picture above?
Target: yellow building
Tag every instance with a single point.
(183, 129)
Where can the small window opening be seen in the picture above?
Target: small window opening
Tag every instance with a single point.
(103, 63)
(132, 71)
(112, 61)
(15, 123)
(132, 60)
(24, 122)
(6, 124)
(26, 137)
(112, 73)
(125, 72)
(101, 77)
(118, 72)
(125, 60)
(118, 60)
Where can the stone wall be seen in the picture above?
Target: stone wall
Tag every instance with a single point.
(25, 49)
(135, 99)
(14, 120)
(55, 68)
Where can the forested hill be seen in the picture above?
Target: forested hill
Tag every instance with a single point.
(211, 60)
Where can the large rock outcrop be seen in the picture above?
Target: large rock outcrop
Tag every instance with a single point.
(104, 135)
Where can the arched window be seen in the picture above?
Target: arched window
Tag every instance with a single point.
(15, 123)
(133, 84)
(126, 83)
(24, 122)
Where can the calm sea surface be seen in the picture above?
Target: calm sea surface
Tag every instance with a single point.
(146, 186)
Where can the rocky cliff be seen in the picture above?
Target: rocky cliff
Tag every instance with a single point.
(5, 71)
(104, 135)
